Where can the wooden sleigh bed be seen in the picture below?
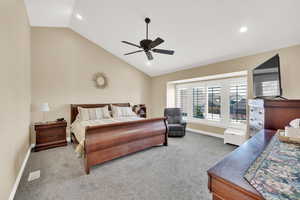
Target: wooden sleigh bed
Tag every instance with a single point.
(109, 141)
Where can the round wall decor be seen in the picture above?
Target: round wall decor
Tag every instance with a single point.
(100, 80)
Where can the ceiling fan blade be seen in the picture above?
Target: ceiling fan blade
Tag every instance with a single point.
(133, 52)
(149, 55)
(155, 43)
(131, 44)
(163, 51)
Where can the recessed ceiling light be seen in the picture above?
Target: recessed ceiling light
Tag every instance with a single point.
(243, 29)
(148, 63)
(79, 17)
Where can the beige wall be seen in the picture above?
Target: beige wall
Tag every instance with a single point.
(290, 70)
(63, 65)
(15, 91)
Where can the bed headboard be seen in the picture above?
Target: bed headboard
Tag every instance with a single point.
(74, 108)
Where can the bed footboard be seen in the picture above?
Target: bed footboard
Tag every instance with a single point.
(110, 141)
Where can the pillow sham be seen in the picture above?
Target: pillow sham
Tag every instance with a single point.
(104, 112)
(118, 111)
(86, 114)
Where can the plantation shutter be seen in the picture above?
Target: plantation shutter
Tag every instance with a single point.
(238, 98)
(199, 102)
(221, 101)
(182, 100)
(214, 103)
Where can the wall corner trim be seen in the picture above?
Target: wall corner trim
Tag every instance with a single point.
(205, 133)
(15, 187)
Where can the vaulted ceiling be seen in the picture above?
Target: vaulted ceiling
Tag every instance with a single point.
(200, 31)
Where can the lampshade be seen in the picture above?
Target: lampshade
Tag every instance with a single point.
(44, 107)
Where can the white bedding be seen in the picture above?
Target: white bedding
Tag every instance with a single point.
(78, 128)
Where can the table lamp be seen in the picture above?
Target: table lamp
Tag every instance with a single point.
(44, 108)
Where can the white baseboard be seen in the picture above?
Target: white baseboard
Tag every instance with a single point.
(205, 133)
(15, 187)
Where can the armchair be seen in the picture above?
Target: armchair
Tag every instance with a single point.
(176, 124)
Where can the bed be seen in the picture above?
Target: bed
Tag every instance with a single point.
(107, 140)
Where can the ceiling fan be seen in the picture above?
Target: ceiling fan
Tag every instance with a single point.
(148, 45)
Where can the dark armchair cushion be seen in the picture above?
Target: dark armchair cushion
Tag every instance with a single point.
(176, 127)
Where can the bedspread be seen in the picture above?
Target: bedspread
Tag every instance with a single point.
(78, 128)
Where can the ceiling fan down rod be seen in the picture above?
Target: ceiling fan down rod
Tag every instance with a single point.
(147, 20)
(147, 32)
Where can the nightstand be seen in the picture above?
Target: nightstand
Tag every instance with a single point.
(50, 134)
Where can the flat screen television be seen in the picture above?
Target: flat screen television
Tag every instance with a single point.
(266, 79)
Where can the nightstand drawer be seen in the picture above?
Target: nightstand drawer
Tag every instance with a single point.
(50, 135)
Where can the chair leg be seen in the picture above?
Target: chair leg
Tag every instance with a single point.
(166, 139)
(166, 142)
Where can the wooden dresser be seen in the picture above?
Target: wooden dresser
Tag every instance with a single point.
(225, 179)
(271, 114)
(50, 134)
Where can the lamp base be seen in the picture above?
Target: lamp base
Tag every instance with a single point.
(44, 118)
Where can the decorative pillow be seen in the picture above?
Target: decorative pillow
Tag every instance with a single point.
(86, 114)
(122, 111)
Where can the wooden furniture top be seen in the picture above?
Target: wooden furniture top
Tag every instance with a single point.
(74, 107)
(50, 124)
(282, 103)
(233, 167)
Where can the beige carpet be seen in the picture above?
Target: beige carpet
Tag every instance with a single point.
(167, 173)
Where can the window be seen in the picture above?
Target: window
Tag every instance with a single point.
(238, 95)
(217, 102)
(214, 103)
(182, 100)
(199, 102)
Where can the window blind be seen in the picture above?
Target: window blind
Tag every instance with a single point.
(182, 100)
(220, 101)
(214, 103)
(199, 102)
(238, 96)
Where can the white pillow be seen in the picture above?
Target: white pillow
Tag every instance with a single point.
(86, 114)
(122, 111)
(83, 114)
(102, 113)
